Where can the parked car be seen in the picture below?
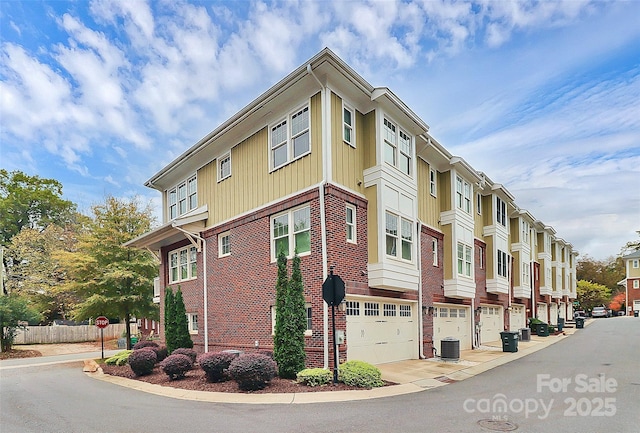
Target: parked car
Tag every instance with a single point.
(599, 312)
(579, 313)
(620, 313)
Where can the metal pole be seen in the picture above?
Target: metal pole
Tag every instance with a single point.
(335, 345)
(102, 340)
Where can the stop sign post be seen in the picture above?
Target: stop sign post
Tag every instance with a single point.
(333, 294)
(102, 322)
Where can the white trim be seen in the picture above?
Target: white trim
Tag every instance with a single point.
(190, 321)
(347, 107)
(221, 236)
(288, 143)
(289, 213)
(219, 162)
(353, 224)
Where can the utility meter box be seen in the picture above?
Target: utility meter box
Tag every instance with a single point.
(339, 336)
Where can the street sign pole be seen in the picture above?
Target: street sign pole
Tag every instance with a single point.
(335, 344)
(102, 341)
(333, 294)
(102, 322)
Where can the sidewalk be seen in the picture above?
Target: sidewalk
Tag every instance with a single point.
(411, 376)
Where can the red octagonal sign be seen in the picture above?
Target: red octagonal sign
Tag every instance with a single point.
(102, 322)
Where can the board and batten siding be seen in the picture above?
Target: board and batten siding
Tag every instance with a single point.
(428, 205)
(347, 162)
(252, 184)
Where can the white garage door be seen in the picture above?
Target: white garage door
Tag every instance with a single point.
(553, 314)
(380, 330)
(517, 320)
(562, 310)
(636, 306)
(452, 321)
(492, 323)
(541, 312)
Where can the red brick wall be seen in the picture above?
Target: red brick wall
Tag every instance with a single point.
(432, 283)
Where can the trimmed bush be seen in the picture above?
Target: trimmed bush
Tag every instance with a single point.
(360, 374)
(216, 364)
(119, 358)
(252, 371)
(144, 343)
(142, 361)
(314, 376)
(176, 365)
(184, 351)
(161, 353)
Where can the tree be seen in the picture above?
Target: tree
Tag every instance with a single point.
(290, 319)
(169, 320)
(15, 312)
(115, 281)
(618, 302)
(183, 338)
(631, 246)
(592, 294)
(30, 201)
(606, 272)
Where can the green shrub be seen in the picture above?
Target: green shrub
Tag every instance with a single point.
(161, 353)
(252, 371)
(142, 361)
(192, 354)
(176, 365)
(360, 374)
(119, 358)
(144, 343)
(216, 365)
(314, 376)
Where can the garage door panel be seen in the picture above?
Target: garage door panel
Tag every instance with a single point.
(458, 326)
(518, 318)
(492, 320)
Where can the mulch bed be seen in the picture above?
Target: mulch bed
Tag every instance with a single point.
(14, 354)
(195, 380)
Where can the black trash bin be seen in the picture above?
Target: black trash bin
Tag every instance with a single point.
(560, 323)
(543, 329)
(450, 349)
(525, 334)
(635, 313)
(579, 322)
(509, 341)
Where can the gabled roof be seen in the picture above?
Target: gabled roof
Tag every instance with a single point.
(633, 255)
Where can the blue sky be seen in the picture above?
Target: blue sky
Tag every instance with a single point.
(541, 96)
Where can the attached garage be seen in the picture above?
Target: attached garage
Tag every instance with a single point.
(452, 321)
(381, 330)
(517, 318)
(553, 314)
(541, 312)
(491, 323)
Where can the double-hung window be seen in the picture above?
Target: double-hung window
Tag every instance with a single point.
(183, 197)
(291, 232)
(348, 125)
(398, 147)
(183, 264)
(525, 274)
(398, 231)
(351, 223)
(502, 264)
(290, 138)
(479, 204)
(434, 248)
(224, 166)
(464, 259)
(192, 323)
(224, 244)
(433, 186)
(636, 263)
(501, 212)
(463, 194)
(525, 232)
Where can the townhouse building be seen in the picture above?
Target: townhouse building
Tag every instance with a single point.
(632, 282)
(346, 175)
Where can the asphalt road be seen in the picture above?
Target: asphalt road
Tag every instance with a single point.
(589, 382)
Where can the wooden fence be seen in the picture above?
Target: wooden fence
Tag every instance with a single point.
(69, 334)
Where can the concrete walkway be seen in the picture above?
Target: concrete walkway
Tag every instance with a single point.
(410, 375)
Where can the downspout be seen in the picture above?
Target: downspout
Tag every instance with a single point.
(420, 310)
(204, 284)
(326, 158)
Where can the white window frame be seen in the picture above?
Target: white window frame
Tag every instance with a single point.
(192, 319)
(351, 140)
(224, 162)
(464, 255)
(433, 182)
(479, 203)
(291, 232)
(175, 198)
(352, 234)
(308, 314)
(288, 141)
(525, 232)
(636, 284)
(463, 194)
(501, 212)
(224, 248)
(434, 247)
(502, 264)
(481, 257)
(525, 274)
(636, 263)
(191, 254)
(403, 235)
(393, 138)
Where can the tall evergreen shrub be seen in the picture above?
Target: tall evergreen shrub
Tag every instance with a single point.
(183, 338)
(169, 320)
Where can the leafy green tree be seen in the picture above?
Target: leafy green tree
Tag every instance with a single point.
(169, 320)
(183, 338)
(15, 312)
(30, 201)
(114, 280)
(590, 294)
(290, 319)
(606, 272)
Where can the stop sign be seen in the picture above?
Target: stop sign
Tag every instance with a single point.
(102, 322)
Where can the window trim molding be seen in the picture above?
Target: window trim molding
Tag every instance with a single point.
(433, 182)
(289, 138)
(397, 151)
(348, 107)
(353, 224)
(190, 317)
(291, 233)
(175, 189)
(188, 249)
(220, 246)
(219, 161)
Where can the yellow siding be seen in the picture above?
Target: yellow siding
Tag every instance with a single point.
(517, 269)
(487, 210)
(514, 231)
(251, 185)
(444, 190)
(428, 209)
(490, 254)
(449, 264)
(369, 139)
(478, 220)
(372, 223)
(633, 272)
(347, 162)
